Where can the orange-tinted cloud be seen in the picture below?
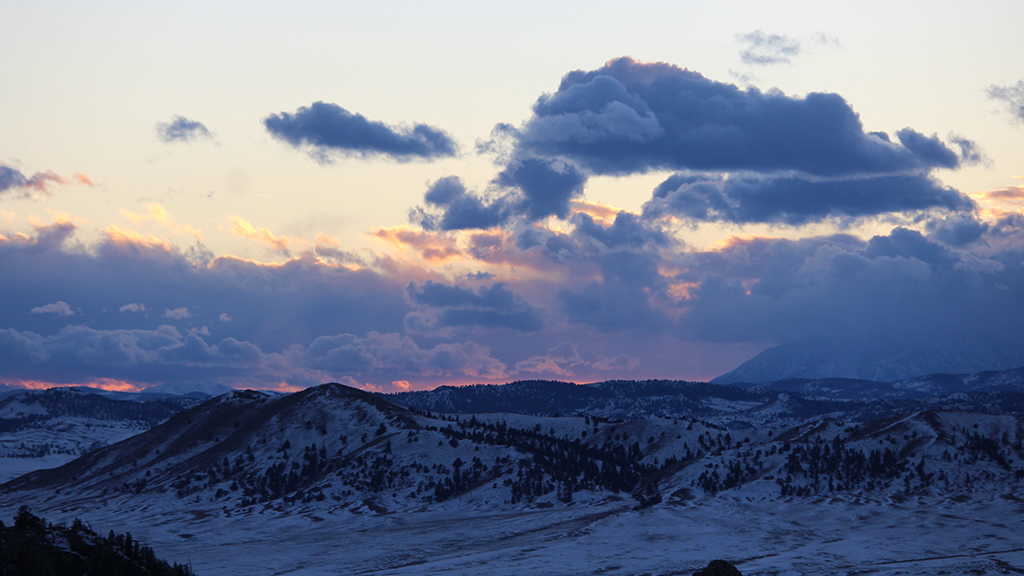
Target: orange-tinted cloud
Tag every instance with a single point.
(123, 236)
(109, 384)
(604, 212)
(1010, 193)
(431, 246)
(281, 244)
(158, 214)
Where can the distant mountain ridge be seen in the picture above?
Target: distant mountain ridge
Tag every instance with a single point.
(780, 401)
(876, 359)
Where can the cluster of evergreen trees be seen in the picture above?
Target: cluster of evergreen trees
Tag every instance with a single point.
(557, 464)
(32, 547)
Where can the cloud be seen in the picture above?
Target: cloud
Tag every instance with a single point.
(181, 129)
(901, 286)
(627, 230)
(391, 354)
(13, 181)
(224, 317)
(620, 362)
(272, 306)
(1012, 97)
(625, 298)
(443, 307)
(60, 308)
(534, 188)
(157, 213)
(630, 117)
(133, 307)
(558, 360)
(798, 201)
(460, 208)
(244, 229)
(177, 313)
(547, 186)
(431, 246)
(328, 129)
(763, 49)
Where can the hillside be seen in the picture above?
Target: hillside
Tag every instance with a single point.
(46, 428)
(32, 546)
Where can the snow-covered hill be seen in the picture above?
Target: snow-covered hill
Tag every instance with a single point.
(47, 428)
(373, 487)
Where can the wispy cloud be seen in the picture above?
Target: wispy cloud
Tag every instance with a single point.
(181, 129)
(1012, 97)
(13, 181)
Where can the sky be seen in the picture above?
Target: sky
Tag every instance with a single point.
(400, 195)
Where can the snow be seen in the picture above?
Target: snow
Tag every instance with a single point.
(842, 536)
(49, 444)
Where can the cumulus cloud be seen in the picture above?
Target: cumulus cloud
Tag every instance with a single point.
(534, 188)
(133, 307)
(792, 160)
(60, 308)
(460, 209)
(443, 307)
(181, 129)
(1011, 97)
(328, 129)
(797, 201)
(629, 117)
(558, 360)
(224, 317)
(177, 313)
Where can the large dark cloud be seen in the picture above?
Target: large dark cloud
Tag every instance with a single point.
(629, 117)
(797, 201)
(273, 306)
(225, 319)
(444, 306)
(328, 128)
(181, 129)
(799, 160)
(625, 298)
(901, 286)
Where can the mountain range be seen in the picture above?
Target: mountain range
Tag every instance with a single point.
(877, 358)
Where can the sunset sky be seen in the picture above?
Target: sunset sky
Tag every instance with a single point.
(398, 195)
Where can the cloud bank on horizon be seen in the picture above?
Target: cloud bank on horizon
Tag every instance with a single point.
(526, 278)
